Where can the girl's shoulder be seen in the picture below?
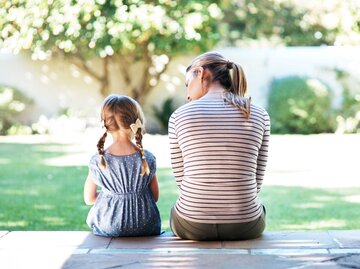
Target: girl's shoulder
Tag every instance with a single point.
(94, 159)
(149, 155)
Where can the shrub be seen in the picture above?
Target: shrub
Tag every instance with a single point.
(300, 105)
(348, 114)
(163, 113)
(12, 103)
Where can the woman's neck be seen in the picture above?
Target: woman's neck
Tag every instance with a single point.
(214, 91)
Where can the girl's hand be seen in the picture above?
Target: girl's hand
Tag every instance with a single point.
(154, 187)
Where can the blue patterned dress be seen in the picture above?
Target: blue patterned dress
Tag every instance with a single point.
(125, 206)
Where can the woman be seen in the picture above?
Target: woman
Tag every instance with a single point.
(219, 148)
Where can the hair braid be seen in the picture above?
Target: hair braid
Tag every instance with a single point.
(100, 146)
(144, 167)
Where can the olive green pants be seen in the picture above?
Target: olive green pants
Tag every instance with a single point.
(203, 231)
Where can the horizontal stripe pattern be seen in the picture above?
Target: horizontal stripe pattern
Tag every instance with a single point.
(218, 159)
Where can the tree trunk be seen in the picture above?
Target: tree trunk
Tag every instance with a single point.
(145, 86)
(104, 82)
(103, 79)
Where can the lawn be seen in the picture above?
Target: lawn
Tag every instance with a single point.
(35, 195)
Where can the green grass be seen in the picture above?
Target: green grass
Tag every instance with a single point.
(37, 196)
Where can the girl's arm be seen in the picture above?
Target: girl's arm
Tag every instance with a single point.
(154, 187)
(90, 193)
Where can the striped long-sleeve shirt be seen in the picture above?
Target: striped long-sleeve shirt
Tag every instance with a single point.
(218, 159)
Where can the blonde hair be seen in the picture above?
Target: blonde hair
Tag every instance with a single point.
(219, 68)
(122, 111)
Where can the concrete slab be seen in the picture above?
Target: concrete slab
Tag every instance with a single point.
(346, 239)
(80, 250)
(344, 250)
(341, 262)
(167, 240)
(3, 233)
(45, 258)
(349, 261)
(288, 252)
(285, 240)
(45, 239)
(96, 261)
(176, 251)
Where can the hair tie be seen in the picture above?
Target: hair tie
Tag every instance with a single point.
(229, 64)
(135, 126)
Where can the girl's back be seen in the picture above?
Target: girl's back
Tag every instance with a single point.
(126, 174)
(125, 206)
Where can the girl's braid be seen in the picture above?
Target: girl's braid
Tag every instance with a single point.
(138, 138)
(100, 146)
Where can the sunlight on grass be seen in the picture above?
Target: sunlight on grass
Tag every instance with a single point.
(43, 207)
(30, 192)
(352, 199)
(310, 205)
(317, 225)
(10, 224)
(54, 221)
(68, 160)
(323, 198)
(4, 161)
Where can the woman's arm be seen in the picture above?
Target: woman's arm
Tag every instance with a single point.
(177, 162)
(263, 153)
(90, 193)
(154, 187)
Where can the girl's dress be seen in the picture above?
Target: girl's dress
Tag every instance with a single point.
(125, 206)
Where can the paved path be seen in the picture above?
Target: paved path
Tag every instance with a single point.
(82, 250)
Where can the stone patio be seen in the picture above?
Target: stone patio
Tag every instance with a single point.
(82, 250)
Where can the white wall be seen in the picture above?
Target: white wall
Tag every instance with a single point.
(262, 65)
(56, 84)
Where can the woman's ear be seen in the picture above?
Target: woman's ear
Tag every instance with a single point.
(200, 73)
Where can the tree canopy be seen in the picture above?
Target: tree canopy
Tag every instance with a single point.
(151, 33)
(291, 22)
(121, 32)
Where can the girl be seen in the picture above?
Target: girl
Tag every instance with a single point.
(126, 204)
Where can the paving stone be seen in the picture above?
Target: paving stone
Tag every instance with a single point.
(164, 241)
(214, 261)
(82, 250)
(162, 251)
(36, 239)
(52, 258)
(339, 262)
(286, 240)
(346, 239)
(3, 233)
(349, 261)
(288, 252)
(344, 250)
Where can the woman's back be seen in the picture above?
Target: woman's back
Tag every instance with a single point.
(219, 159)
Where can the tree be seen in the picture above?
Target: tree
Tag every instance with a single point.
(122, 32)
(291, 22)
